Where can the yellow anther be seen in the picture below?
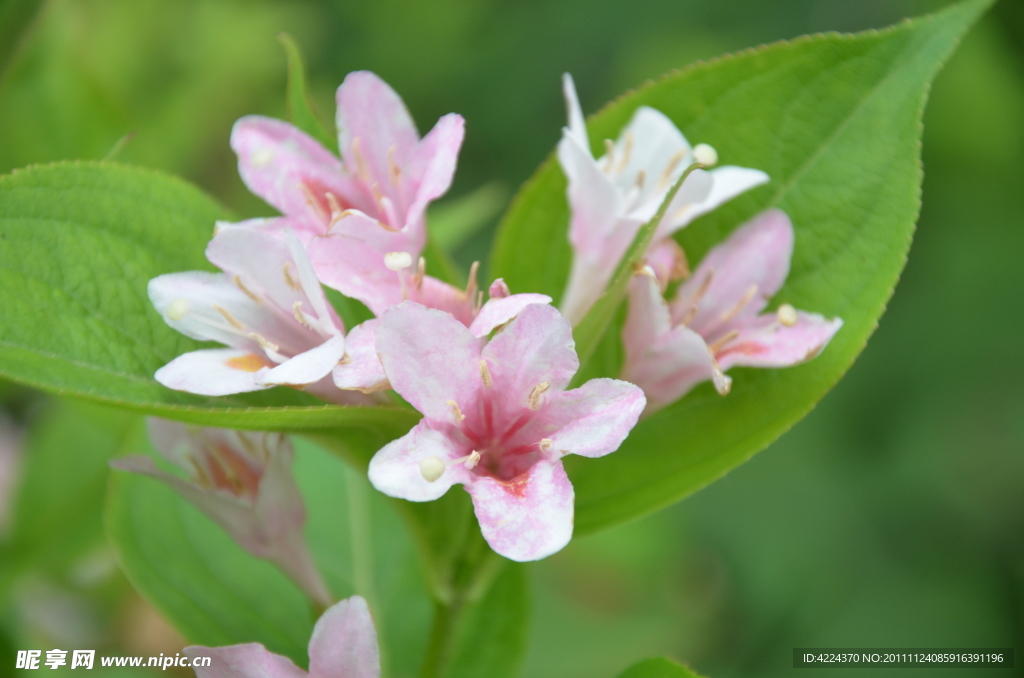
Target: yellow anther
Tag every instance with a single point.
(641, 177)
(230, 318)
(300, 316)
(485, 374)
(536, 393)
(357, 152)
(627, 150)
(670, 168)
(249, 293)
(455, 409)
(545, 444)
(722, 341)
(289, 280)
(264, 344)
(741, 304)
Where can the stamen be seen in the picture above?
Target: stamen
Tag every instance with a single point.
(336, 217)
(725, 339)
(723, 383)
(536, 393)
(249, 293)
(485, 374)
(178, 309)
(264, 344)
(394, 170)
(313, 202)
(689, 315)
(345, 359)
(545, 444)
(300, 316)
(670, 168)
(627, 150)
(787, 315)
(361, 169)
(741, 304)
(609, 155)
(336, 210)
(230, 318)
(705, 155)
(703, 289)
(470, 461)
(641, 177)
(432, 468)
(289, 280)
(471, 285)
(397, 261)
(455, 409)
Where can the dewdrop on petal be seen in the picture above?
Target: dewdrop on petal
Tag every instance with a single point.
(178, 309)
(705, 154)
(431, 468)
(397, 261)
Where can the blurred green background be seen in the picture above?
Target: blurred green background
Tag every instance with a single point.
(892, 516)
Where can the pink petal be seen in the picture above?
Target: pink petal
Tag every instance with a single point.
(251, 660)
(308, 367)
(344, 643)
(757, 253)
(370, 111)
(395, 469)
(277, 159)
(669, 367)
(434, 293)
(431, 166)
(577, 129)
(526, 518)
(233, 514)
(498, 289)
(430, 358)
(594, 419)
(279, 270)
(201, 293)
(594, 200)
(765, 342)
(356, 270)
(656, 145)
(668, 261)
(363, 371)
(648, 316)
(497, 312)
(214, 372)
(535, 348)
(381, 237)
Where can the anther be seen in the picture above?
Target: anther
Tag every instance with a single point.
(357, 153)
(432, 468)
(178, 309)
(705, 155)
(336, 210)
(741, 304)
(787, 315)
(609, 154)
(249, 293)
(393, 168)
(289, 280)
(397, 261)
(485, 374)
(459, 416)
(689, 315)
(723, 383)
(471, 460)
(703, 289)
(300, 316)
(627, 150)
(545, 444)
(264, 344)
(725, 339)
(313, 202)
(641, 177)
(536, 393)
(230, 318)
(670, 168)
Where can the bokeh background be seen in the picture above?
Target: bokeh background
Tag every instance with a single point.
(892, 516)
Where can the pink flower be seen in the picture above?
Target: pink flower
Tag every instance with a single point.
(344, 645)
(243, 481)
(362, 369)
(266, 305)
(369, 203)
(498, 420)
(613, 196)
(715, 321)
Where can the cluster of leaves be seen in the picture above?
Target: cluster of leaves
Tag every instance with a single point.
(833, 119)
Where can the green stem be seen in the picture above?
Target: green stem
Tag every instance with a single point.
(443, 639)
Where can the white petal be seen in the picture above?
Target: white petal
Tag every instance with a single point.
(308, 367)
(214, 372)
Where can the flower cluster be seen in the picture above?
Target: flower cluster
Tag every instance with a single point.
(491, 378)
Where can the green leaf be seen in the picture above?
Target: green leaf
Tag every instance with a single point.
(80, 242)
(215, 593)
(835, 120)
(300, 109)
(15, 19)
(59, 498)
(659, 667)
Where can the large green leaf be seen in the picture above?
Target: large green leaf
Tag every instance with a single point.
(80, 242)
(658, 667)
(835, 120)
(217, 594)
(16, 17)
